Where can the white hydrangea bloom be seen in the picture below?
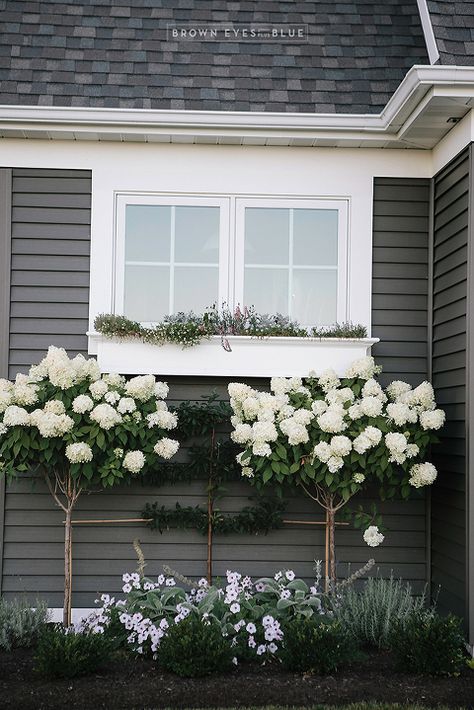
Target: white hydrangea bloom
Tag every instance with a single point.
(318, 407)
(322, 451)
(335, 463)
(355, 411)
(280, 385)
(79, 452)
(250, 407)
(126, 405)
(112, 397)
(332, 421)
(303, 416)
(241, 460)
(261, 448)
(422, 474)
(5, 385)
(412, 450)
(286, 412)
(247, 472)
(401, 413)
(6, 399)
(296, 433)
(105, 416)
(266, 414)
(371, 436)
(141, 387)
(374, 434)
(16, 416)
(3, 429)
(235, 421)
(371, 406)
(364, 368)
(82, 403)
(163, 419)
(85, 369)
(340, 396)
(166, 448)
(113, 379)
(397, 389)
(98, 389)
(134, 461)
(372, 388)
(264, 431)
(358, 478)
(161, 390)
(328, 380)
(432, 419)
(239, 391)
(341, 445)
(373, 537)
(51, 425)
(242, 434)
(423, 396)
(25, 394)
(55, 406)
(397, 444)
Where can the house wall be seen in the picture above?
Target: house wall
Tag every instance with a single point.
(451, 228)
(49, 306)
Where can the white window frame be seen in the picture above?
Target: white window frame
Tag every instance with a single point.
(341, 206)
(124, 199)
(231, 239)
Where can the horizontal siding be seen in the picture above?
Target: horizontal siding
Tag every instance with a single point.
(448, 524)
(400, 277)
(50, 263)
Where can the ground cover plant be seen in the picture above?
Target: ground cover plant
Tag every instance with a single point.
(20, 624)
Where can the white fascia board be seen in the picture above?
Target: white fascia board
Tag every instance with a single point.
(428, 32)
(415, 85)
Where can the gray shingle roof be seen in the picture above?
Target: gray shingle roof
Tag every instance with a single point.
(116, 54)
(453, 27)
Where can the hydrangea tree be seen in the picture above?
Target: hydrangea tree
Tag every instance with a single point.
(333, 437)
(81, 430)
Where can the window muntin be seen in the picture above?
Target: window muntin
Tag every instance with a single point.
(279, 255)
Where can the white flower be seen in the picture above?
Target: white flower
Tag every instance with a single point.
(340, 396)
(55, 406)
(372, 536)
(261, 649)
(364, 368)
(242, 434)
(264, 431)
(113, 379)
(82, 403)
(341, 445)
(296, 433)
(303, 416)
(247, 472)
(79, 452)
(5, 385)
(49, 424)
(126, 405)
(250, 407)
(373, 389)
(433, 419)
(98, 389)
(319, 407)
(3, 429)
(422, 474)
(6, 399)
(161, 390)
(251, 628)
(423, 396)
(335, 463)
(358, 478)
(401, 413)
(280, 385)
(163, 419)
(322, 451)
(16, 416)
(374, 434)
(396, 442)
(105, 416)
(332, 421)
(261, 448)
(371, 406)
(166, 448)
(134, 461)
(290, 575)
(25, 394)
(362, 443)
(112, 397)
(238, 391)
(272, 647)
(355, 411)
(412, 450)
(118, 453)
(141, 387)
(235, 608)
(398, 388)
(240, 459)
(329, 380)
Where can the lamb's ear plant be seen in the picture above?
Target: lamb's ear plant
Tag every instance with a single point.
(20, 624)
(79, 430)
(334, 437)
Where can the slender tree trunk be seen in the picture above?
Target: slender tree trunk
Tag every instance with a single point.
(67, 566)
(331, 522)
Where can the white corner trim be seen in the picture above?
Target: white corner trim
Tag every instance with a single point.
(427, 26)
(53, 122)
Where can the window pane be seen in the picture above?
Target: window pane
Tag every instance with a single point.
(315, 237)
(146, 295)
(266, 235)
(314, 297)
(195, 288)
(197, 234)
(267, 290)
(147, 233)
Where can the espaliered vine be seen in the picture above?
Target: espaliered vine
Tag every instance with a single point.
(213, 461)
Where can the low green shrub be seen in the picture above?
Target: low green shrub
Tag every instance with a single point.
(371, 614)
(66, 653)
(20, 624)
(316, 646)
(195, 647)
(429, 644)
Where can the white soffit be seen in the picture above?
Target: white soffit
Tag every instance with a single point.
(425, 106)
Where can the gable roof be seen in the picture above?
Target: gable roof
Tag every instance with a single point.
(453, 27)
(104, 54)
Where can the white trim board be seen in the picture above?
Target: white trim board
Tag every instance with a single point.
(427, 27)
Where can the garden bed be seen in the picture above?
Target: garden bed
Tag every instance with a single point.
(139, 683)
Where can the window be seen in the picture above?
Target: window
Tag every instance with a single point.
(186, 253)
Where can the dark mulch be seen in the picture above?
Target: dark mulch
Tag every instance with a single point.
(135, 683)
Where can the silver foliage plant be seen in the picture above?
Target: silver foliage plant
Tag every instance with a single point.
(19, 623)
(371, 613)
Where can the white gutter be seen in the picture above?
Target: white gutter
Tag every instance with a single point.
(428, 32)
(416, 84)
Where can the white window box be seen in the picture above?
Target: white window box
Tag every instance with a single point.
(250, 357)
